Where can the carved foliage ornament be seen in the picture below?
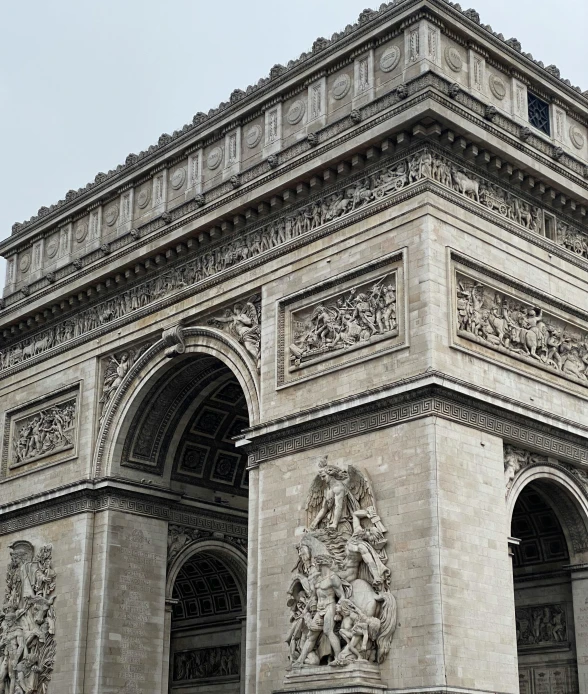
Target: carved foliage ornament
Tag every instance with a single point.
(27, 638)
(520, 329)
(341, 607)
(332, 206)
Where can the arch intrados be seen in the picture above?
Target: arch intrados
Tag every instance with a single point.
(234, 560)
(151, 367)
(550, 479)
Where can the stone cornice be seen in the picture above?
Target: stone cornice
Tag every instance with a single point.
(432, 394)
(371, 26)
(89, 496)
(254, 259)
(385, 108)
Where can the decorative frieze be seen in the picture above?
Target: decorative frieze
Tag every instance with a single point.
(216, 664)
(541, 627)
(28, 626)
(516, 325)
(44, 430)
(338, 202)
(341, 576)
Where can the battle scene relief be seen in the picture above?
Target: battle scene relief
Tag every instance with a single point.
(362, 314)
(342, 610)
(520, 329)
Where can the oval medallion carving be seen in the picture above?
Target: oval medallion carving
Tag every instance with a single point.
(25, 262)
(52, 247)
(111, 215)
(341, 86)
(296, 112)
(390, 59)
(453, 59)
(253, 136)
(178, 177)
(81, 231)
(497, 87)
(214, 158)
(143, 198)
(577, 137)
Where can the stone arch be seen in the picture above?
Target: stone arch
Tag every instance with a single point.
(568, 496)
(200, 599)
(153, 365)
(231, 557)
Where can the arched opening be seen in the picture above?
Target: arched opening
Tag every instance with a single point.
(176, 426)
(207, 640)
(542, 552)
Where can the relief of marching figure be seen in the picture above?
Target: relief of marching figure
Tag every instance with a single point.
(356, 317)
(27, 637)
(508, 325)
(342, 610)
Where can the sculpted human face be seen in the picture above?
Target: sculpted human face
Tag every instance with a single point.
(324, 475)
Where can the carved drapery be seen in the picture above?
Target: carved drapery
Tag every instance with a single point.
(243, 322)
(28, 628)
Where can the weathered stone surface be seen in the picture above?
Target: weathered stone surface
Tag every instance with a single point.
(373, 260)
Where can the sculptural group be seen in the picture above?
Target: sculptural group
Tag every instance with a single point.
(27, 632)
(341, 608)
(352, 318)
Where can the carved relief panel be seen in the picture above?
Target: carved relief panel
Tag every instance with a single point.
(28, 624)
(354, 316)
(40, 433)
(342, 609)
(505, 317)
(216, 664)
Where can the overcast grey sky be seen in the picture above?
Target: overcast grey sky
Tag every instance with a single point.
(84, 83)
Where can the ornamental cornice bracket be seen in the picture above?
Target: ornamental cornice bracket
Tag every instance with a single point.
(173, 340)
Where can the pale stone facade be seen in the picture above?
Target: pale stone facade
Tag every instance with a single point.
(296, 399)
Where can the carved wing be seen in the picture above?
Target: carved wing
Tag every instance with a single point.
(360, 487)
(314, 500)
(110, 372)
(252, 309)
(135, 354)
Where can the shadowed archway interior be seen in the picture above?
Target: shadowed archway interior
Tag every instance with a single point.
(544, 606)
(182, 431)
